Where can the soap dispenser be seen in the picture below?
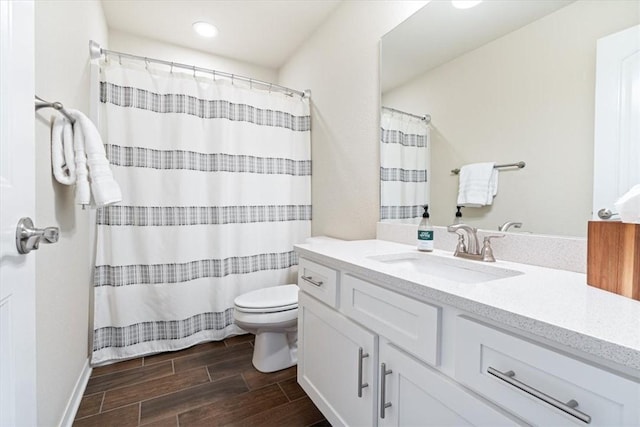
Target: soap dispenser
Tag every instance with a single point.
(458, 218)
(425, 232)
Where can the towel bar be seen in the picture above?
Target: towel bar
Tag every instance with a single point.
(41, 103)
(519, 165)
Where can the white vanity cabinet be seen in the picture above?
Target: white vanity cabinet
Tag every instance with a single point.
(381, 344)
(364, 357)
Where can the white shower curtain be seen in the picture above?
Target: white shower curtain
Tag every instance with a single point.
(405, 155)
(216, 185)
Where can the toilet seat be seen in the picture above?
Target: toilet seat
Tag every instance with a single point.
(268, 300)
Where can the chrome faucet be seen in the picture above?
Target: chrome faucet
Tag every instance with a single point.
(473, 250)
(509, 224)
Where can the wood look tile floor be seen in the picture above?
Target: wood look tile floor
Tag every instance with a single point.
(211, 384)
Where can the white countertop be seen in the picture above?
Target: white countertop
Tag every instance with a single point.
(555, 305)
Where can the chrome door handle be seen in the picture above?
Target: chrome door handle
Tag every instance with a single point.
(29, 237)
(383, 386)
(568, 407)
(313, 282)
(361, 356)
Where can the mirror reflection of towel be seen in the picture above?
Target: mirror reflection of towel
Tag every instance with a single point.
(478, 184)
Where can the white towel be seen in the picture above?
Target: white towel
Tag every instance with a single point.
(62, 157)
(93, 178)
(478, 184)
(628, 205)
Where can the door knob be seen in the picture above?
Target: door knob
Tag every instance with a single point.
(29, 237)
(605, 213)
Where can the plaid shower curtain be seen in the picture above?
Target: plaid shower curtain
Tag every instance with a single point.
(216, 185)
(405, 155)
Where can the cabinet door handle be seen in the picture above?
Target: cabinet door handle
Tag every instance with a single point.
(383, 389)
(361, 356)
(568, 407)
(313, 282)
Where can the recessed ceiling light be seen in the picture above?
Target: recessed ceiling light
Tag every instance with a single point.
(465, 4)
(205, 29)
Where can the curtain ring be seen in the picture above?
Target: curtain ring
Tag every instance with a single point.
(194, 71)
(250, 83)
(120, 59)
(270, 86)
(232, 77)
(171, 71)
(146, 63)
(214, 74)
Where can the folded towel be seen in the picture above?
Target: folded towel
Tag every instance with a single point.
(478, 184)
(91, 172)
(62, 157)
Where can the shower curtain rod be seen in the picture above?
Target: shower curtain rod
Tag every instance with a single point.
(96, 52)
(426, 117)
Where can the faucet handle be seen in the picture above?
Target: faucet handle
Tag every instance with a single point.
(461, 248)
(487, 251)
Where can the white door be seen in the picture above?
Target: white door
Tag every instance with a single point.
(617, 124)
(17, 199)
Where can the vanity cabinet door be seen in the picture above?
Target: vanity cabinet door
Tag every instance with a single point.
(413, 394)
(336, 364)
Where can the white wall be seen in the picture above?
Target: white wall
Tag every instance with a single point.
(340, 64)
(136, 45)
(526, 96)
(63, 270)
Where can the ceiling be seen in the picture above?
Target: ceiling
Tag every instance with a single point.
(264, 32)
(438, 32)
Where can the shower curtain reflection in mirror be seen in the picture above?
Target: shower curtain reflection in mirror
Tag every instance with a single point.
(405, 155)
(216, 185)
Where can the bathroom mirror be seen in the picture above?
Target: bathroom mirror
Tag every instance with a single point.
(506, 82)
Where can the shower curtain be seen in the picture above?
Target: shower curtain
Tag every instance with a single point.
(405, 155)
(216, 185)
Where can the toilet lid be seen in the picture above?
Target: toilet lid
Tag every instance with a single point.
(275, 298)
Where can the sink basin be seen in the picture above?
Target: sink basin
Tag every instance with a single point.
(453, 269)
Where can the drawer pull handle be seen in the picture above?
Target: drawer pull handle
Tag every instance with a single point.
(313, 282)
(568, 407)
(361, 356)
(383, 389)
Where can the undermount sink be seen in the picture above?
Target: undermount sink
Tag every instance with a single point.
(456, 270)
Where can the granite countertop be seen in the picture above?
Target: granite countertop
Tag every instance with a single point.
(555, 305)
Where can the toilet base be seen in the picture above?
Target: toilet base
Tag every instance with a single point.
(275, 351)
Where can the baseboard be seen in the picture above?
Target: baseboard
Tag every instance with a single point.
(74, 401)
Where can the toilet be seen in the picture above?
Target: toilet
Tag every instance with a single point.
(272, 315)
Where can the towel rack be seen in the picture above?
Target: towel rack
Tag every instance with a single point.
(519, 165)
(41, 103)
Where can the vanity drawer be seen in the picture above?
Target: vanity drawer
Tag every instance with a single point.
(411, 325)
(318, 281)
(536, 383)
